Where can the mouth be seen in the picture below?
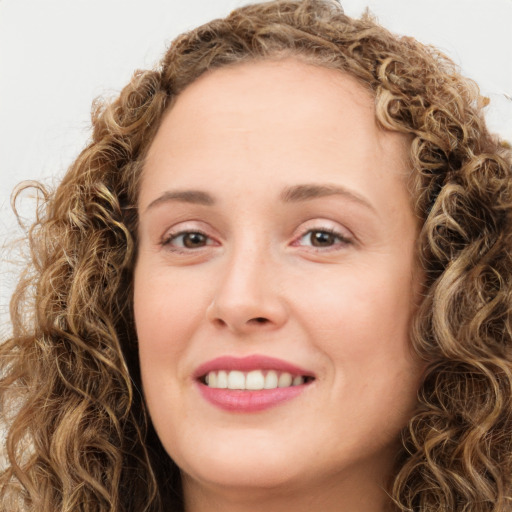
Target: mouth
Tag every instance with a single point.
(255, 380)
(250, 384)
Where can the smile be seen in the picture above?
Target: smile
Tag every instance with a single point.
(250, 384)
(253, 380)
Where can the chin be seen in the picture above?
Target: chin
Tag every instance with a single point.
(229, 476)
(231, 465)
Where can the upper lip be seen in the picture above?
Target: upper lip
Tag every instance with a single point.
(249, 363)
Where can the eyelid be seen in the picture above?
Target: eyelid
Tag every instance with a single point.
(176, 234)
(182, 229)
(344, 235)
(321, 225)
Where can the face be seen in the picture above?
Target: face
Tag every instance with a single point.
(276, 280)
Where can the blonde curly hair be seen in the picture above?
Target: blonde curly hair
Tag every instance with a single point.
(78, 434)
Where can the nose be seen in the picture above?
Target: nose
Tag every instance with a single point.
(248, 294)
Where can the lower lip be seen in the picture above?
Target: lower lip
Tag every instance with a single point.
(249, 401)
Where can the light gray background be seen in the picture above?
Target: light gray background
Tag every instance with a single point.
(56, 56)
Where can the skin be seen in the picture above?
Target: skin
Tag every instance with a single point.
(258, 283)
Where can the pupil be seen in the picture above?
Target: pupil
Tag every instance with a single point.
(192, 240)
(321, 238)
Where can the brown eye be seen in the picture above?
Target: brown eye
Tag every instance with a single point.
(323, 238)
(188, 240)
(193, 240)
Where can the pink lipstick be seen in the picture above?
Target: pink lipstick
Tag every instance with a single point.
(250, 384)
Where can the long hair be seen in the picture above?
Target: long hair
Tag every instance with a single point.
(78, 435)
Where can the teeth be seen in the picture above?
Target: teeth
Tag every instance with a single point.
(254, 380)
(222, 379)
(236, 380)
(285, 380)
(211, 379)
(297, 381)
(271, 380)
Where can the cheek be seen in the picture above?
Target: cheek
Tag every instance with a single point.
(368, 302)
(167, 311)
(166, 304)
(360, 319)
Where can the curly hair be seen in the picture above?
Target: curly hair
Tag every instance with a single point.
(78, 435)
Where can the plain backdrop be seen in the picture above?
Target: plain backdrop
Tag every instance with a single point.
(56, 56)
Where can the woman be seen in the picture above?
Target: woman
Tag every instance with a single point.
(290, 245)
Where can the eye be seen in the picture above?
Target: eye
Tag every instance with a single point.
(188, 240)
(322, 238)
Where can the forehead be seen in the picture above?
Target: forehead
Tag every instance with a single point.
(266, 117)
(244, 92)
(295, 75)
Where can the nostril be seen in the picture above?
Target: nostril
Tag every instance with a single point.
(219, 322)
(260, 320)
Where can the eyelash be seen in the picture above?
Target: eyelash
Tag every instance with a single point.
(167, 241)
(341, 240)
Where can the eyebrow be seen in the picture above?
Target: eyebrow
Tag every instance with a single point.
(299, 193)
(183, 196)
(294, 194)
